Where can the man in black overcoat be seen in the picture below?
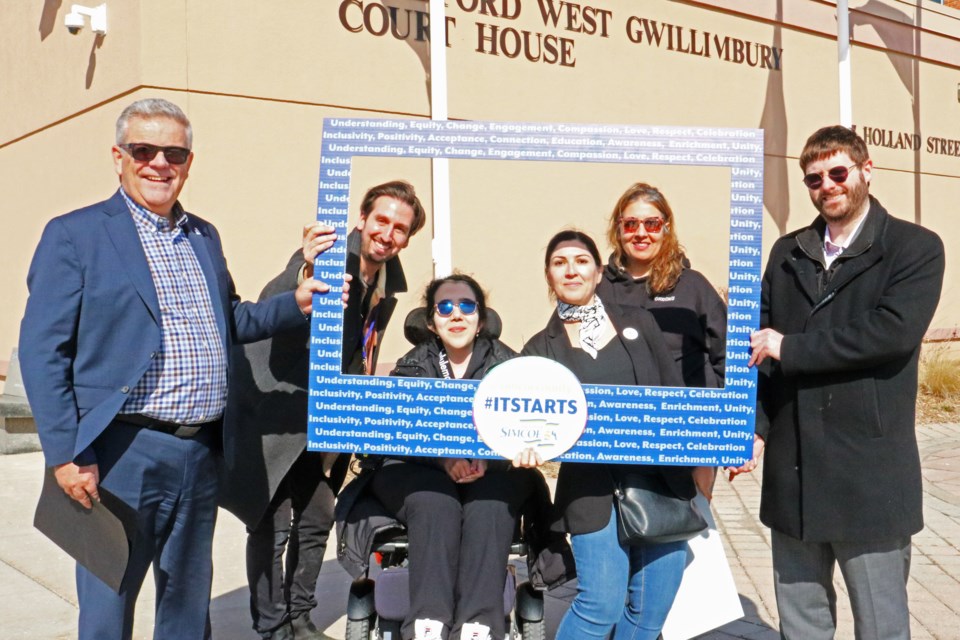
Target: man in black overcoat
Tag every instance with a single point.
(282, 492)
(845, 305)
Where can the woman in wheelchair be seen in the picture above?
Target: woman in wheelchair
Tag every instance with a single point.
(460, 514)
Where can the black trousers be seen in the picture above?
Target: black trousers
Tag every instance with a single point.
(459, 540)
(297, 521)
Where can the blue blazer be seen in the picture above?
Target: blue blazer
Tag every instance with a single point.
(92, 322)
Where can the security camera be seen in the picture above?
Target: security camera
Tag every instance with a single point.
(73, 22)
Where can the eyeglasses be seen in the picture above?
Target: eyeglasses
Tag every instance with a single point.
(445, 307)
(838, 175)
(651, 225)
(143, 152)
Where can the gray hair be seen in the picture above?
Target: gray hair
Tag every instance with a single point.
(153, 108)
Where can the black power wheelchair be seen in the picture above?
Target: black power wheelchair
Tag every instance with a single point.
(379, 599)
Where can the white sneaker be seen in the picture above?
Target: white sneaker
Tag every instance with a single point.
(427, 629)
(475, 631)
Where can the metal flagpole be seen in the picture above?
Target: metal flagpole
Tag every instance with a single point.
(442, 251)
(843, 63)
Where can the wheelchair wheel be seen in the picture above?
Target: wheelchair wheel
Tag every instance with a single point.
(388, 629)
(529, 613)
(532, 630)
(360, 629)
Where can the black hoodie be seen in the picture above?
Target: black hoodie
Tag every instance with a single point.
(692, 317)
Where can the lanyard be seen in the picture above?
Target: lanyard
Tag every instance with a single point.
(444, 367)
(371, 327)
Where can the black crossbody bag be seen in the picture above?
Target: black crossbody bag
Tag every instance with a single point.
(648, 512)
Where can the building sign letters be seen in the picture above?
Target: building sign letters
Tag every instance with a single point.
(563, 22)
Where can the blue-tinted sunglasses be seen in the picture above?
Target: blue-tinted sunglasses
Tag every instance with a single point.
(467, 307)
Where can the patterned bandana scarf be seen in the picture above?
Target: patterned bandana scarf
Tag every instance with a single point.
(592, 318)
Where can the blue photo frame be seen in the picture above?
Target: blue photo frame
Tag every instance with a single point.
(626, 424)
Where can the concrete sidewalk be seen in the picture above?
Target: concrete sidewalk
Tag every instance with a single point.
(38, 598)
(934, 588)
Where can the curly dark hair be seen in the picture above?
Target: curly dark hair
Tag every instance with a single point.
(430, 295)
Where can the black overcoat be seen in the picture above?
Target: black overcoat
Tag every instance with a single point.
(265, 424)
(584, 496)
(837, 412)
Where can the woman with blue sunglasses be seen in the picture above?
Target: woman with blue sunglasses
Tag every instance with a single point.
(457, 343)
(460, 514)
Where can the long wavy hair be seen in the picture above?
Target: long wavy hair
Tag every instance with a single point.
(668, 263)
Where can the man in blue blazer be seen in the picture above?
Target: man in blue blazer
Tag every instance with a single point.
(123, 349)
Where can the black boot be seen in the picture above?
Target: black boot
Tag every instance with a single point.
(304, 629)
(283, 632)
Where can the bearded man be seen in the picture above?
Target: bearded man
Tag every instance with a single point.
(844, 307)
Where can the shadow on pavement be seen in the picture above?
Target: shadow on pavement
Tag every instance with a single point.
(230, 612)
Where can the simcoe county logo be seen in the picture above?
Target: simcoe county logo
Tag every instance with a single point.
(530, 402)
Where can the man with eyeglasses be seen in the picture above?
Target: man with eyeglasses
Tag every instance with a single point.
(123, 349)
(845, 305)
(282, 492)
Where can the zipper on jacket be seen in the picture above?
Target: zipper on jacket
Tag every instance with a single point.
(824, 301)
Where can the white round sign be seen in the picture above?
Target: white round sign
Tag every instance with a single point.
(530, 402)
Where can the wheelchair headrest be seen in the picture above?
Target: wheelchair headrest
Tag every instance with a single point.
(415, 328)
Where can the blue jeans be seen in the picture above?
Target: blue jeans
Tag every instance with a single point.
(632, 587)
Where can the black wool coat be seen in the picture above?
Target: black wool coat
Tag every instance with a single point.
(838, 410)
(584, 496)
(265, 424)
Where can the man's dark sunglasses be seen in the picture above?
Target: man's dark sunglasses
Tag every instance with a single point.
(838, 175)
(467, 307)
(143, 152)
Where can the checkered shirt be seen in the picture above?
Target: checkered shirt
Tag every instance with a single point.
(187, 379)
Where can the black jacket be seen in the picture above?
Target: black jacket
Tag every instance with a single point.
(265, 424)
(584, 495)
(692, 317)
(838, 410)
(360, 517)
(423, 362)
